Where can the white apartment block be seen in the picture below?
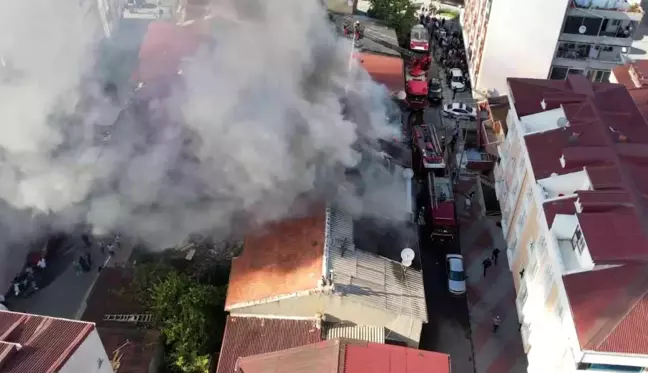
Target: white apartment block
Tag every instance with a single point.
(546, 39)
(571, 183)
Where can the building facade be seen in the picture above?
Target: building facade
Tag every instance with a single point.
(572, 211)
(545, 39)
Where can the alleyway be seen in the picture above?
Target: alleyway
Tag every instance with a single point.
(489, 296)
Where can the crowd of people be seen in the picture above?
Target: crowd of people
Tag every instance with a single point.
(447, 44)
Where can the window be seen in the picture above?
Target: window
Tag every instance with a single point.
(542, 246)
(548, 278)
(558, 73)
(532, 269)
(523, 295)
(616, 22)
(560, 312)
(601, 76)
(576, 72)
(578, 242)
(521, 220)
(531, 246)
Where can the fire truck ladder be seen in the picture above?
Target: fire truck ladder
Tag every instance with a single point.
(365, 34)
(131, 318)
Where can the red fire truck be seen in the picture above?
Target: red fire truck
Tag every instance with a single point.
(428, 152)
(441, 211)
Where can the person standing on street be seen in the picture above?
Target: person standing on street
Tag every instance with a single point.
(486, 264)
(496, 252)
(496, 323)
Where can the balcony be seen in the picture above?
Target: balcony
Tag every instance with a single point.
(589, 27)
(590, 52)
(608, 5)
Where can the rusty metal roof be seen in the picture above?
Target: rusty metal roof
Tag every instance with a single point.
(247, 336)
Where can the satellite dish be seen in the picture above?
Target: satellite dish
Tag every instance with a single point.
(401, 95)
(543, 104)
(582, 29)
(408, 173)
(407, 256)
(562, 122)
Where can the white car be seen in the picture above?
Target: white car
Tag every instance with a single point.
(456, 274)
(457, 80)
(459, 111)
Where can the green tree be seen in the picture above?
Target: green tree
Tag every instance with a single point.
(399, 14)
(186, 312)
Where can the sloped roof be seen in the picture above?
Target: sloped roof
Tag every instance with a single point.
(387, 70)
(163, 49)
(287, 259)
(247, 336)
(347, 356)
(282, 260)
(368, 278)
(608, 137)
(610, 308)
(45, 343)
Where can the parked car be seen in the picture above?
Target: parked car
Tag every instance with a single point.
(457, 82)
(435, 91)
(456, 274)
(461, 111)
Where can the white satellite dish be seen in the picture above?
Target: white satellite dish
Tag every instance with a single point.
(543, 104)
(562, 122)
(407, 256)
(408, 173)
(401, 95)
(582, 29)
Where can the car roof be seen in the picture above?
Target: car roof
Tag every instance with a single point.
(456, 71)
(456, 264)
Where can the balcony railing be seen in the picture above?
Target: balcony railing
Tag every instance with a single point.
(591, 4)
(584, 55)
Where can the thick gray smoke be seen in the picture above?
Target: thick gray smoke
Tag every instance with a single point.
(266, 117)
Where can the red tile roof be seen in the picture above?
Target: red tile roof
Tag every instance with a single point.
(608, 136)
(640, 96)
(564, 206)
(46, 343)
(284, 259)
(164, 47)
(247, 336)
(623, 74)
(347, 356)
(386, 70)
(380, 358)
(607, 319)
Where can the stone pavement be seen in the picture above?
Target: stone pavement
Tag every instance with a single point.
(490, 296)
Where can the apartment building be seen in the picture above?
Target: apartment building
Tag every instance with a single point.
(546, 39)
(572, 185)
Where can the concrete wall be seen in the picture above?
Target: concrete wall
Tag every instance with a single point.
(520, 42)
(90, 357)
(338, 308)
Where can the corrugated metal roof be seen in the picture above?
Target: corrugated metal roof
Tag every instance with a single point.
(368, 278)
(360, 332)
(323, 357)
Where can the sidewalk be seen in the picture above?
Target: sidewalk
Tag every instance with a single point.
(490, 296)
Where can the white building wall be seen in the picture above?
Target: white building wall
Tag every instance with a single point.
(520, 42)
(90, 357)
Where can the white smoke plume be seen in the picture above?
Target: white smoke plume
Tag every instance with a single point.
(260, 121)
